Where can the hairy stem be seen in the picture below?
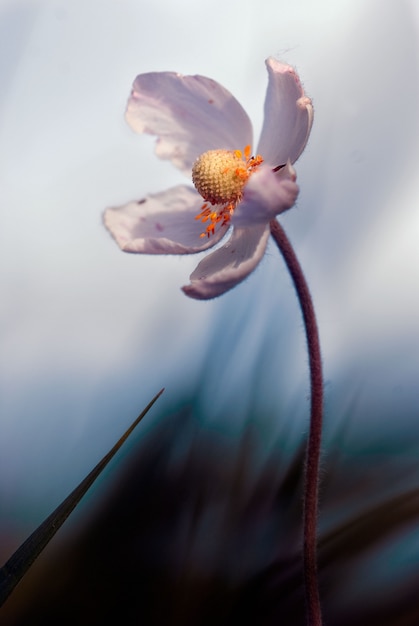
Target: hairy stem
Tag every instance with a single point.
(311, 486)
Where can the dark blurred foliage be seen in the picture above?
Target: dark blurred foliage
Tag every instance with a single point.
(195, 529)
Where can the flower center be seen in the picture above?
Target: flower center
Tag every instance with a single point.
(220, 176)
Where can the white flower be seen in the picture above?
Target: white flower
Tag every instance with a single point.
(206, 133)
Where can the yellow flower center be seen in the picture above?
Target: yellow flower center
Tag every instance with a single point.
(220, 176)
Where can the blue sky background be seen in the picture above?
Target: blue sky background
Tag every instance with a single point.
(89, 334)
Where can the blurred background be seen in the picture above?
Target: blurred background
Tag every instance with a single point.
(89, 334)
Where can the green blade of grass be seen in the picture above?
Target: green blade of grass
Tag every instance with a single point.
(19, 563)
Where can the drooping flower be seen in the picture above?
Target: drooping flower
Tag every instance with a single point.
(206, 133)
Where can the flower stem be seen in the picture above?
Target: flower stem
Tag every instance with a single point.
(311, 486)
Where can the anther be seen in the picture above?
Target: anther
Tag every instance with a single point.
(220, 176)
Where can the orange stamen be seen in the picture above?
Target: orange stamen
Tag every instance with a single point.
(223, 213)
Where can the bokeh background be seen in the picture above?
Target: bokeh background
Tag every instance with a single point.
(89, 335)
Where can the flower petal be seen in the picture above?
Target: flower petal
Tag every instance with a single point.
(229, 265)
(162, 223)
(288, 116)
(266, 194)
(189, 115)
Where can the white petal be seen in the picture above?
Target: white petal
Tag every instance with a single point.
(163, 223)
(229, 265)
(189, 115)
(266, 194)
(288, 116)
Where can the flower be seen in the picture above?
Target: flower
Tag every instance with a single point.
(206, 133)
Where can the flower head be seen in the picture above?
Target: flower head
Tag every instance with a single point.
(206, 133)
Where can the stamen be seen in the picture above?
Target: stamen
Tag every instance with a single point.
(220, 176)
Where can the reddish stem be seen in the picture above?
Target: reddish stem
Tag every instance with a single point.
(311, 486)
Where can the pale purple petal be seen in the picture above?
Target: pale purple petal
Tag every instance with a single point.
(229, 265)
(162, 223)
(189, 115)
(266, 194)
(288, 116)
